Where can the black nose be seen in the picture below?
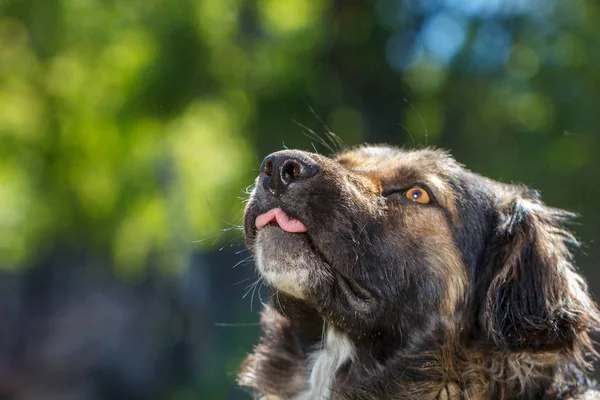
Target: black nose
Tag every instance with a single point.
(281, 169)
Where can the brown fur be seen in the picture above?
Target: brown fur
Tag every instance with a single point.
(473, 296)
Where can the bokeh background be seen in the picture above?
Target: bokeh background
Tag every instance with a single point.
(129, 131)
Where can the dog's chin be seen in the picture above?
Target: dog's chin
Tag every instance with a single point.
(288, 262)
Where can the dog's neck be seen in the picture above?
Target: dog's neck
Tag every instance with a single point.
(287, 364)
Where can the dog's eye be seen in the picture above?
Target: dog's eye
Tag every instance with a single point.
(418, 194)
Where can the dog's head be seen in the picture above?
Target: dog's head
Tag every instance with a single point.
(381, 241)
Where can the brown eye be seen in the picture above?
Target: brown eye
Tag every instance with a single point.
(418, 194)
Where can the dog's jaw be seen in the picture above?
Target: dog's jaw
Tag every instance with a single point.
(287, 272)
(288, 262)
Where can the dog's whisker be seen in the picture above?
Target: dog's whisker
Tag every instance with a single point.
(250, 288)
(245, 260)
(236, 324)
(309, 133)
(260, 299)
(253, 291)
(334, 139)
(314, 148)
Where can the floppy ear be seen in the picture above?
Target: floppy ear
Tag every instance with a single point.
(531, 296)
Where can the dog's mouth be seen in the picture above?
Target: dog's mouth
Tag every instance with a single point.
(276, 220)
(281, 227)
(277, 217)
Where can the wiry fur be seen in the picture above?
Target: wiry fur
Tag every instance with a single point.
(474, 296)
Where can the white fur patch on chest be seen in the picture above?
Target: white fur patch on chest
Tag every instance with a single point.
(324, 363)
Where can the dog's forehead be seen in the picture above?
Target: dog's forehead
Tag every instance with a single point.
(395, 168)
(390, 164)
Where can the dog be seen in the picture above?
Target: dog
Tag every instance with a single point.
(400, 274)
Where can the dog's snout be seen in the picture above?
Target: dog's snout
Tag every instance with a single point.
(281, 169)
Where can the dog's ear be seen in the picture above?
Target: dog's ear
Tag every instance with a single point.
(530, 296)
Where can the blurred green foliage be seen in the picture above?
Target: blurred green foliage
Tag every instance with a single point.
(130, 128)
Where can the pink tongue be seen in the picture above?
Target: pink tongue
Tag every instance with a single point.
(284, 222)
